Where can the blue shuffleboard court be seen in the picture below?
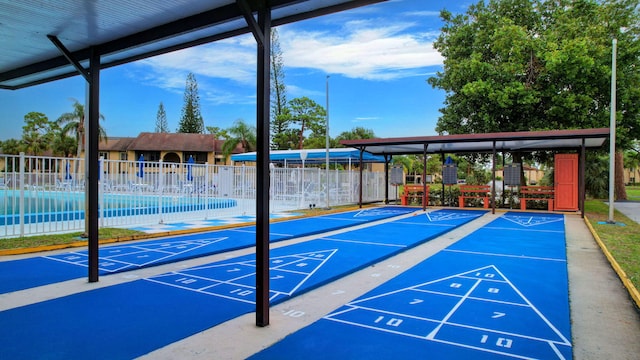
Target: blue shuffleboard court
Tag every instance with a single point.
(27, 273)
(477, 299)
(135, 318)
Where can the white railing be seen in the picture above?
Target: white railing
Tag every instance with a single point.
(40, 195)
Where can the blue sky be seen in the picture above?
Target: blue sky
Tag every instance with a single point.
(378, 58)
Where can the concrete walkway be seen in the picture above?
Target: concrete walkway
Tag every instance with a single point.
(605, 323)
(629, 208)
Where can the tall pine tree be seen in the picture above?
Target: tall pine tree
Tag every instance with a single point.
(280, 114)
(161, 120)
(191, 120)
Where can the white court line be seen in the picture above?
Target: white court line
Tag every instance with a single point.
(363, 242)
(433, 333)
(521, 229)
(505, 255)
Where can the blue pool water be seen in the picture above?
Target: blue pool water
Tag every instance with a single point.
(57, 206)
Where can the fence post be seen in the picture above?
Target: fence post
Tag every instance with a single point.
(102, 179)
(160, 173)
(205, 188)
(21, 201)
(242, 189)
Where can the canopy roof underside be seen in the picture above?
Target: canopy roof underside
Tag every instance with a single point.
(527, 141)
(124, 30)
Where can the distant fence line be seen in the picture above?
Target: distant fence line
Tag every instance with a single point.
(40, 195)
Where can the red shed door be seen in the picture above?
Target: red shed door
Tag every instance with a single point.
(566, 182)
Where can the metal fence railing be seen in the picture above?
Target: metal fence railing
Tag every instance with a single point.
(40, 195)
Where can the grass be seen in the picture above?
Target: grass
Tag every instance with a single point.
(633, 193)
(61, 239)
(622, 241)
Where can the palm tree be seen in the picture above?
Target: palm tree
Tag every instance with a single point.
(72, 123)
(240, 133)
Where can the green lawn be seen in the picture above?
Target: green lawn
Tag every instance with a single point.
(622, 241)
(61, 239)
(633, 193)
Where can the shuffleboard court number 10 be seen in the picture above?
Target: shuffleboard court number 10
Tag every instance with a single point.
(501, 342)
(391, 322)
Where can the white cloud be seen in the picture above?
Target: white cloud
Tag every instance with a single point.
(357, 49)
(362, 50)
(232, 59)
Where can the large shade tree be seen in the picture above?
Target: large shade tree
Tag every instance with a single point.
(37, 133)
(309, 117)
(518, 65)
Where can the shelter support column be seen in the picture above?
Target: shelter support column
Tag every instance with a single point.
(387, 159)
(92, 163)
(493, 178)
(261, 30)
(425, 197)
(442, 175)
(92, 76)
(581, 178)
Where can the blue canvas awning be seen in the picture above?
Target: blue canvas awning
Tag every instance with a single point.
(340, 155)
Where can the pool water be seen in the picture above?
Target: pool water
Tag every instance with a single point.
(56, 206)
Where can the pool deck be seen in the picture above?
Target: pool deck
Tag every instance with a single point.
(605, 322)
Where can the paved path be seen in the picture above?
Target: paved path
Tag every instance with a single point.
(629, 208)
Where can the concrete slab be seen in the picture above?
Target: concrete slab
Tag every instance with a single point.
(605, 323)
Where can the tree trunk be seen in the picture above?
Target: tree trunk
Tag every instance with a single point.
(620, 190)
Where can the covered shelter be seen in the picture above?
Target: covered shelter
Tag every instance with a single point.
(343, 156)
(43, 41)
(578, 140)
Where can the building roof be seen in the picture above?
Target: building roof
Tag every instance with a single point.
(147, 141)
(116, 143)
(527, 141)
(124, 30)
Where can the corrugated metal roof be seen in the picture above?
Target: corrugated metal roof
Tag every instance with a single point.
(311, 156)
(467, 143)
(123, 30)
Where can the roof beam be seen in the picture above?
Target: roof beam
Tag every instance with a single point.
(251, 21)
(69, 56)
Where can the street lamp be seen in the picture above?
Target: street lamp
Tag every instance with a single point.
(612, 136)
(327, 142)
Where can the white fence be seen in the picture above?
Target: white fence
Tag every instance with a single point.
(40, 195)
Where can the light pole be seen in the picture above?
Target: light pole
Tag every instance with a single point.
(612, 129)
(327, 143)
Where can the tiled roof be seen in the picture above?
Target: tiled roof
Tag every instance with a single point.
(116, 143)
(148, 141)
(173, 142)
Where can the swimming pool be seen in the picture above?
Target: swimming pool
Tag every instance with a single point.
(45, 206)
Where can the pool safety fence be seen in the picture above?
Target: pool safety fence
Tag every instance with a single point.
(40, 195)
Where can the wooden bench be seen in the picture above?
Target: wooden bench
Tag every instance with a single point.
(411, 192)
(474, 192)
(537, 193)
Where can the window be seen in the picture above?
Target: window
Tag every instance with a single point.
(199, 157)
